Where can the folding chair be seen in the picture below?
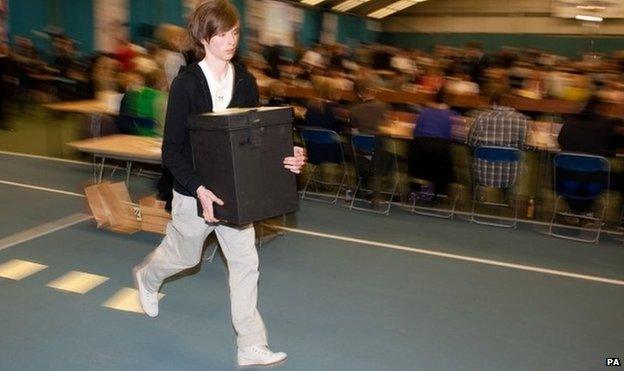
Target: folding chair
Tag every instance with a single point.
(430, 162)
(323, 146)
(363, 147)
(443, 213)
(569, 169)
(493, 158)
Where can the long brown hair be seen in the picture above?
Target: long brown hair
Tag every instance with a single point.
(209, 18)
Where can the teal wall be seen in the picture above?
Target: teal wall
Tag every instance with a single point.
(75, 16)
(146, 14)
(310, 32)
(240, 6)
(21, 25)
(77, 20)
(568, 45)
(352, 30)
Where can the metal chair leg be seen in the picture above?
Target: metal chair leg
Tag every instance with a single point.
(357, 187)
(305, 188)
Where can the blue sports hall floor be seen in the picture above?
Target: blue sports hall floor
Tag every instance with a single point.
(339, 290)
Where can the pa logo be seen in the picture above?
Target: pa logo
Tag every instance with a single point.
(614, 361)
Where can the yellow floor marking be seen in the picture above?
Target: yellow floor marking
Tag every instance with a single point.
(19, 269)
(78, 282)
(126, 299)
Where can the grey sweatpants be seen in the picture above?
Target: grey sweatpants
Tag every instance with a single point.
(182, 248)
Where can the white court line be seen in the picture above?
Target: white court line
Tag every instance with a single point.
(29, 186)
(467, 214)
(393, 246)
(39, 157)
(42, 230)
(496, 263)
(534, 222)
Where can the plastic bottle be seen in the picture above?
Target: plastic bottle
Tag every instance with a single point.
(530, 213)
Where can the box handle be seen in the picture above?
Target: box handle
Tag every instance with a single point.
(255, 132)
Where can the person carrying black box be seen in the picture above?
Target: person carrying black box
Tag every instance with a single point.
(213, 84)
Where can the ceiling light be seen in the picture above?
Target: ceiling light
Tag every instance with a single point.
(349, 4)
(590, 7)
(393, 8)
(589, 18)
(311, 2)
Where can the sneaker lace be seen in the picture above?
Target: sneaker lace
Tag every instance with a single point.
(262, 350)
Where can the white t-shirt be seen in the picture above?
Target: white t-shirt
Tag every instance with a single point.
(220, 91)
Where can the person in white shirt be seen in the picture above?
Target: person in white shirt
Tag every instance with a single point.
(210, 85)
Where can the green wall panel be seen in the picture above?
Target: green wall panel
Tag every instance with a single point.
(311, 27)
(77, 20)
(25, 16)
(352, 31)
(75, 17)
(146, 15)
(568, 45)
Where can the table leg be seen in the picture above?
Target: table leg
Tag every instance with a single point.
(100, 170)
(95, 169)
(128, 170)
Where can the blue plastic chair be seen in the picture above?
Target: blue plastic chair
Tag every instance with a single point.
(497, 155)
(572, 188)
(364, 143)
(323, 146)
(363, 146)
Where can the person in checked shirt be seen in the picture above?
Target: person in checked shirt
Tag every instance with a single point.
(499, 126)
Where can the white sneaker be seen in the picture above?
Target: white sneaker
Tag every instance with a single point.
(259, 355)
(149, 300)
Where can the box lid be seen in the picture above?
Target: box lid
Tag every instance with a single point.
(241, 118)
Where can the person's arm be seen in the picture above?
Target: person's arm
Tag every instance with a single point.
(251, 92)
(296, 162)
(207, 198)
(178, 108)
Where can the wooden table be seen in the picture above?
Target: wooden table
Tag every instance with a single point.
(128, 148)
(541, 105)
(466, 100)
(91, 106)
(540, 135)
(95, 109)
(403, 97)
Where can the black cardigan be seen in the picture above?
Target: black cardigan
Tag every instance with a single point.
(190, 95)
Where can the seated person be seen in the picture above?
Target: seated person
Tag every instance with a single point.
(367, 116)
(320, 111)
(533, 86)
(579, 88)
(460, 83)
(142, 107)
(429, 156)
(587, 132)
(433, 80)
(497, 126)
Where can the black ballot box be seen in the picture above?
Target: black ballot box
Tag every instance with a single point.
(239, 155)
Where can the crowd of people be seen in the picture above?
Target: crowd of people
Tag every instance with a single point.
(61, 72)
(344, 82)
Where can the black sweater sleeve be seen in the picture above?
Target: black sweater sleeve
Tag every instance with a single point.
(250, 94)
(255, 93)
(176, 138)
